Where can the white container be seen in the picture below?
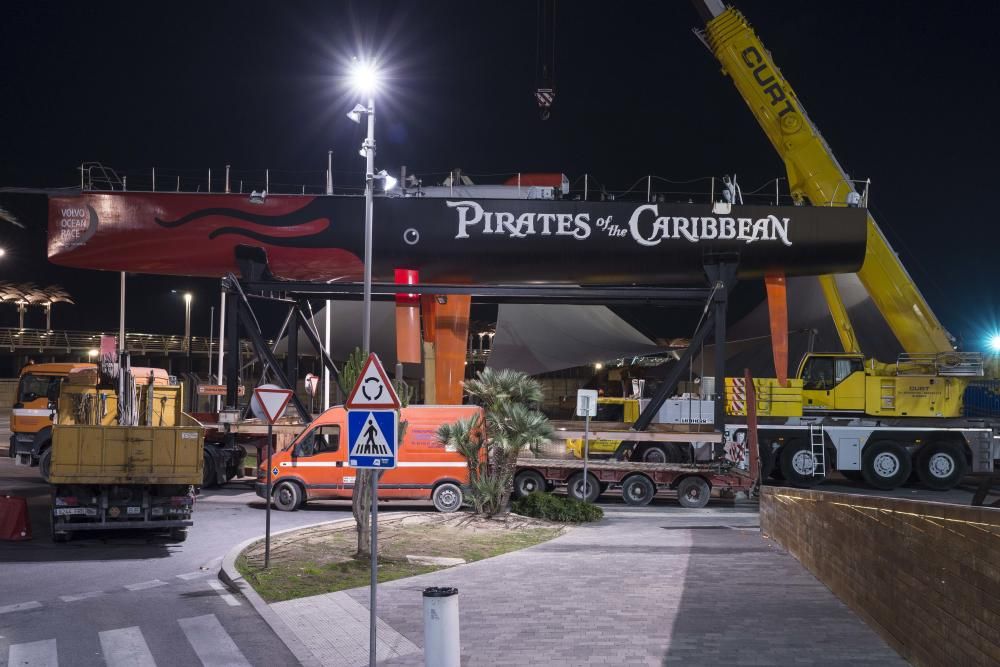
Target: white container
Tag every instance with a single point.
(442, 647)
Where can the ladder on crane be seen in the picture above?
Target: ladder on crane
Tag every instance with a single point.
(817, 443)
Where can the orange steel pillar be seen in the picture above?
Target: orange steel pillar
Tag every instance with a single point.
(777, 308)
(451, 331)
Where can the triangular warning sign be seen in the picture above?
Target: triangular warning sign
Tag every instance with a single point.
(373, 389)
(272, 401)
(371, 441)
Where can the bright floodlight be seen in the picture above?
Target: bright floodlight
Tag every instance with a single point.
(356, 113)
(364, 77)
(388, 182)
(2, 252)
(995, 343)
(187, 297)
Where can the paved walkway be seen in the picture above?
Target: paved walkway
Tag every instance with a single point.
(649, 586)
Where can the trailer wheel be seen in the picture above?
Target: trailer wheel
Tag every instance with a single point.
(574, 487)
(45, 463)
(798, 464)
(693, 492)
(286, 496)
(447, 497)
(527, 482)
(638, 490)
(886, 464)
(940, 465)
(178, 534)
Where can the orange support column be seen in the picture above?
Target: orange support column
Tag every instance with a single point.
(407, 319)
(452, 335)
(777, 308)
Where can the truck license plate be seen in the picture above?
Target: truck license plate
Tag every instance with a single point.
(134, 510)
(66, 511)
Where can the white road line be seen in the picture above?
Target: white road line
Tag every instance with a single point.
(193, 575)
(224, 593)
(80, 596)
(211, 642)
(126, 647)
(143, 585)
(35, 654)
(20, 606)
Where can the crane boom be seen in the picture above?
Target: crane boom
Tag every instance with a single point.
(815, 175)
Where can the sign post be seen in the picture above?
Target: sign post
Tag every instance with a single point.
(273, 402)
(586, 407)
(372, 433)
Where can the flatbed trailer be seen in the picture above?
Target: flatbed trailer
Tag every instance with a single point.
(694, 484)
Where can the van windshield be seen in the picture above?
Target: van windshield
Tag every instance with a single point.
(34, 386)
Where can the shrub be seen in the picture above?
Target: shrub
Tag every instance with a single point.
(542, 505)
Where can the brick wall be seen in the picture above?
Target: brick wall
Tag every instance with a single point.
(925, 575)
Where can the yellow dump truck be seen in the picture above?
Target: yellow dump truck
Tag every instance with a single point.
(107, 476)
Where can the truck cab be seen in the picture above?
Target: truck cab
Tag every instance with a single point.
(833, 383)
(35, 406)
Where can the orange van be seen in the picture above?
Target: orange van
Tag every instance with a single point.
(314, 465)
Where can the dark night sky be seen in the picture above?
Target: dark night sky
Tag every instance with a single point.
(906, 93)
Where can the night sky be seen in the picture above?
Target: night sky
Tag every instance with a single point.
(905, 93)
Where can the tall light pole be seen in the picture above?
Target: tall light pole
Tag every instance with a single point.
(187, 323)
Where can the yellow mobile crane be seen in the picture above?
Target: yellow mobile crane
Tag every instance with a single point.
(880, 419)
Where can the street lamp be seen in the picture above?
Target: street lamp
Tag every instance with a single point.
(187, 322)
(364, 80)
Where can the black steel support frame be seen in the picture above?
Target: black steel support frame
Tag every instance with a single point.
(721, 274)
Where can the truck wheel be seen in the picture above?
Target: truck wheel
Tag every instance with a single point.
(447, 497)
(693, 492)
(666, 453)
(638, 490)
(178, 534)
(886, 464)
(45, 463)
(208, 476)
(286, 496)
(59, 536)
(940, 465)
(527, 482)
(574, 487)
(797, 464)
(766, 457)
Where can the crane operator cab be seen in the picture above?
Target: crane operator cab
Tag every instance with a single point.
(833, 382)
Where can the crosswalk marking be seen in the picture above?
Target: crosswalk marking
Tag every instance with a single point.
(211, 642)
(34, 654)
(80, 596)
(126, 647)
(20, 606)
(143, 585)
(224, 593)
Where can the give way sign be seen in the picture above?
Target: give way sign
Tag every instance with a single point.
(273, 401)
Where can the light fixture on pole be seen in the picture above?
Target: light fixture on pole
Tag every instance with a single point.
(187, 323)
(364, 79)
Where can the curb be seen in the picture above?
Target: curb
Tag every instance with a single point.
(230, 575)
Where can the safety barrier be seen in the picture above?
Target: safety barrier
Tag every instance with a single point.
(924, 575)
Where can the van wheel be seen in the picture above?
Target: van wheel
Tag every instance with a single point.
(286, 496)
(527, 482)
(638, 490)
(447, 497)
(45, 463)
(693, 492)
(886, 464)
(574, 487)
(940, 465)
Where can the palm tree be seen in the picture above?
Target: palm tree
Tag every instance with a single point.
(512, 425)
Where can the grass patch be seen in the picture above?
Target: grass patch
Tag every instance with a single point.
(319, 560)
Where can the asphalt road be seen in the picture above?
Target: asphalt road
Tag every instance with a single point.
(109, 599)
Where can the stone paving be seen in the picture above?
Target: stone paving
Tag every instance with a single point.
(649, 586)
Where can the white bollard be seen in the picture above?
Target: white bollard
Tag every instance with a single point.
(442, 647)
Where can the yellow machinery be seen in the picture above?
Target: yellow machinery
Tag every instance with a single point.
(104, 475)
(609, 409)
(930, 377)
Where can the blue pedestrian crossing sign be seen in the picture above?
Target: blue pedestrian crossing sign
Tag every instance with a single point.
(372, 436)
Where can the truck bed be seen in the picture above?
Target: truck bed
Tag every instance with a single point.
(126, 455)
